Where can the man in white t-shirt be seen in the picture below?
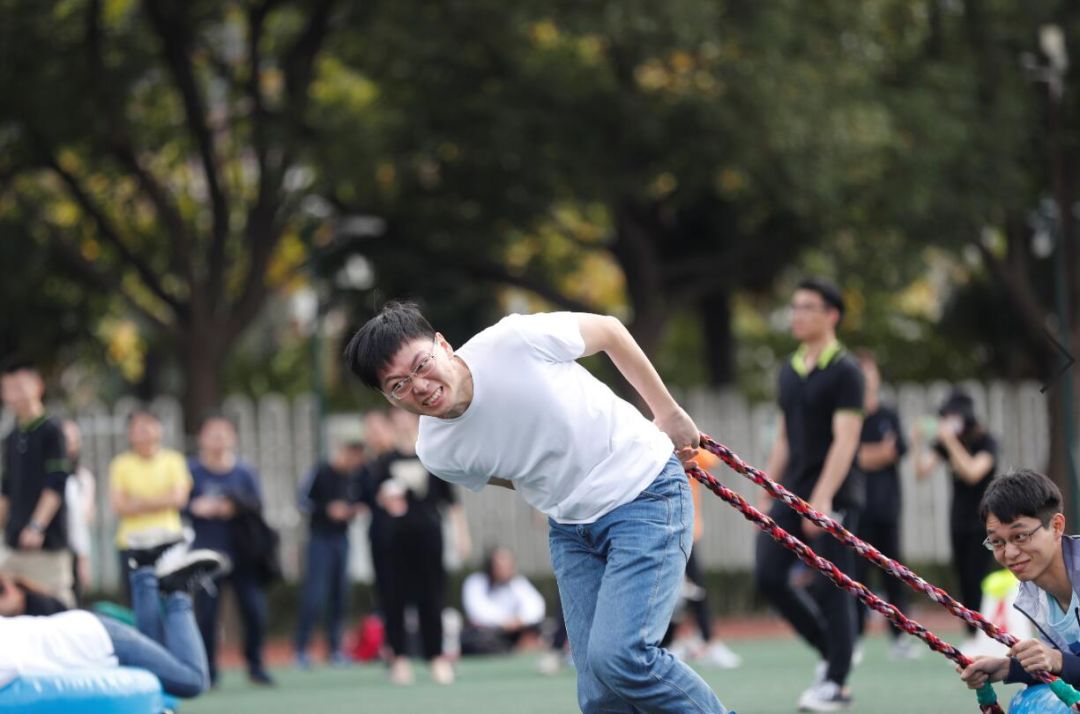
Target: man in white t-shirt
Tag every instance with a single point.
(513, 407)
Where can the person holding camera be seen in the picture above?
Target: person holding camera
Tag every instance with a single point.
(971, 454)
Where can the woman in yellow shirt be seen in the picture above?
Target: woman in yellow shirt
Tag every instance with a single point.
(148, 485)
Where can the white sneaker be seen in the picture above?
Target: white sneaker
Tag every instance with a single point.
(904, 648)
(441, 671)
(826, 696)
(686, 648)
(401, 672)
(720, 655)
(820, 670)
(550, 663)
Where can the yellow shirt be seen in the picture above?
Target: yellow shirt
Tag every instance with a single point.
(155, 477)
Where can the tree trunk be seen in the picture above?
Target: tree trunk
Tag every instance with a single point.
(719, 340)
(203, 348)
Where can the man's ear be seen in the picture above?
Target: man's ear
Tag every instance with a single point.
(1057, 524)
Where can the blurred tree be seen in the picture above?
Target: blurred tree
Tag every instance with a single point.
(989, 115)
(47, 318)
(159, 148)
(697, 147)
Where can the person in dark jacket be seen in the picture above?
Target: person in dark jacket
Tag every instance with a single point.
(329, 495)
(224, 488)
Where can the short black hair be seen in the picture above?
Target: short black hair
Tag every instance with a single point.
(142, 411)
(1021, 493)
(216, 415)
(14, 365)
(380, 338)
(959, 403)
(828, 292)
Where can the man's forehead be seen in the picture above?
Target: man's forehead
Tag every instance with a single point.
(406, 355)
(993, 521)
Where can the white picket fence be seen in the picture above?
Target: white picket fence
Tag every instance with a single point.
(277, 436)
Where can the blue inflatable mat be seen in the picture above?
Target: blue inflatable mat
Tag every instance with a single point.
(119, 690)
(1037, 699)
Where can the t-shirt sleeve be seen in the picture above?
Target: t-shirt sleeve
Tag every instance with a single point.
(472, 481)
(849, 389)
(56, 463)
(5, 482)
(554, 335)
(117, 474)
(180, 473)
(901, 440)
(447, 472)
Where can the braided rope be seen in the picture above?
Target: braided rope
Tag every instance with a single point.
(1069, 695)
(987, 699)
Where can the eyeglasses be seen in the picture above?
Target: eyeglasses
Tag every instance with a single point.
(397, 392)
(1017, 539)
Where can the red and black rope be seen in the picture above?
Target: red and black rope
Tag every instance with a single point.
(829, 570)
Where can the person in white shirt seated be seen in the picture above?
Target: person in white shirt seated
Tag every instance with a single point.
(503, 610)
(166, 641)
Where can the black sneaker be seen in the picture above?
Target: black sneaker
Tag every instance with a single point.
(195, 568)
(261, 678)
(144, 549)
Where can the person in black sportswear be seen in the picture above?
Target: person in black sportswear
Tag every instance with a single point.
(821, 402)
(881, 447)
(971, 453)
(32, 485)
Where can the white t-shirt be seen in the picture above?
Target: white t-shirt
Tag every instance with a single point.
(573, 449)
(495, 606)
(49, 645)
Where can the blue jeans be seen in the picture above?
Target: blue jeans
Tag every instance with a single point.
(167, 642)
(325, 586)
(619, 579)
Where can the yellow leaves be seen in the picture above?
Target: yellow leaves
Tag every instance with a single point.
(680, 73)
(544, 34)
(114, 11)
(335, 83)
(272, 83)
(289, 255)
(449, 152)
(124, 346)
(570, 244)
(920, 299)
(681, 62)
(90, 249)
(63, 213)
(386, 176)
(591, 48)
(662, 186)
(730, 182)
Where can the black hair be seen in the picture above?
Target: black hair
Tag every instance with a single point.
(489, 563)
(142, 411)
(215, 415)
(1021, 493)
(960, 403)
(13, 365)
(380, 338)
(828, 292)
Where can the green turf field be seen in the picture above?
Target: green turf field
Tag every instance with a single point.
(772, 676)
